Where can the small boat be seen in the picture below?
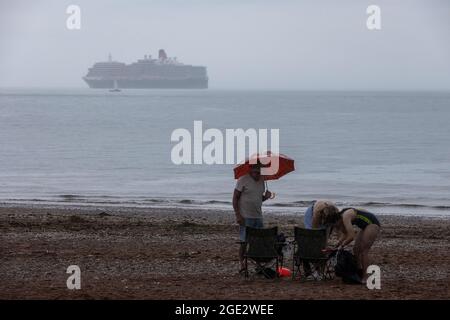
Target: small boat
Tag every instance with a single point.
(116, 88)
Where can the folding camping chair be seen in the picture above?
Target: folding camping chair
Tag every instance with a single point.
(261, 250)
(310, 253)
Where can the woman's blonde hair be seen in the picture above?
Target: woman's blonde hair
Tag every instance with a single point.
(330, 214)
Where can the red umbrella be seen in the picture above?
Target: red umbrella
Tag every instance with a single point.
(268, 160)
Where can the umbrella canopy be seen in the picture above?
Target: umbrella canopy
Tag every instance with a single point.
(285, 165)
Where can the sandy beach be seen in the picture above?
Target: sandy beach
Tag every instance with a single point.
(167, 253)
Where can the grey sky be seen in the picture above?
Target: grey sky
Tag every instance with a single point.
(310, 45)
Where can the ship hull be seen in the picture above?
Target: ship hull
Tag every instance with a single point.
(191, 83)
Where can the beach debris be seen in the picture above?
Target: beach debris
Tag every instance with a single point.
(187, 223)
(76, 219)
(186, 255)
(104, 214)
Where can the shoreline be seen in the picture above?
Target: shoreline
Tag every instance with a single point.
(274, 209)
(179, 253)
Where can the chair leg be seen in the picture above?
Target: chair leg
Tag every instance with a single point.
(296, 264)
(293, 261)
(246, 267)
(293, 268)
(303, 275)
(277, 275)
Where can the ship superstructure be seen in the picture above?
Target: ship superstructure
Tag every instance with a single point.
(162, 73)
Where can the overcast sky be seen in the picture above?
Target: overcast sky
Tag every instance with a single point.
(307, 45)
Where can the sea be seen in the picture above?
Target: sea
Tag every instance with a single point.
(388, 152)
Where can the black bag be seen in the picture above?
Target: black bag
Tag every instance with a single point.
(346, 267)
(268, 273)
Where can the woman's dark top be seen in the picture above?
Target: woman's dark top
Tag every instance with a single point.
(363, 218)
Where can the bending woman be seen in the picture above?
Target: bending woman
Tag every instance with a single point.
(369, 229)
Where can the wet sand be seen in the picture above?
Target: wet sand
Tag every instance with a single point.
(169, 253)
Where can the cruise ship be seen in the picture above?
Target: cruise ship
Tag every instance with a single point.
(161, 73)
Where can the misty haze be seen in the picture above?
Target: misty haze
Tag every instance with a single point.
(244, 44)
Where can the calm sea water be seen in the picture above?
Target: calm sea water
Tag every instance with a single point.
(389, 152)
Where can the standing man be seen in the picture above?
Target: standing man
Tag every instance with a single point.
(247, 204)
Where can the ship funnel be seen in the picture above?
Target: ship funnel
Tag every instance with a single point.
(162, 55)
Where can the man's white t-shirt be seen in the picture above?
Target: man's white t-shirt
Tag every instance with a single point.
(250, 202)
